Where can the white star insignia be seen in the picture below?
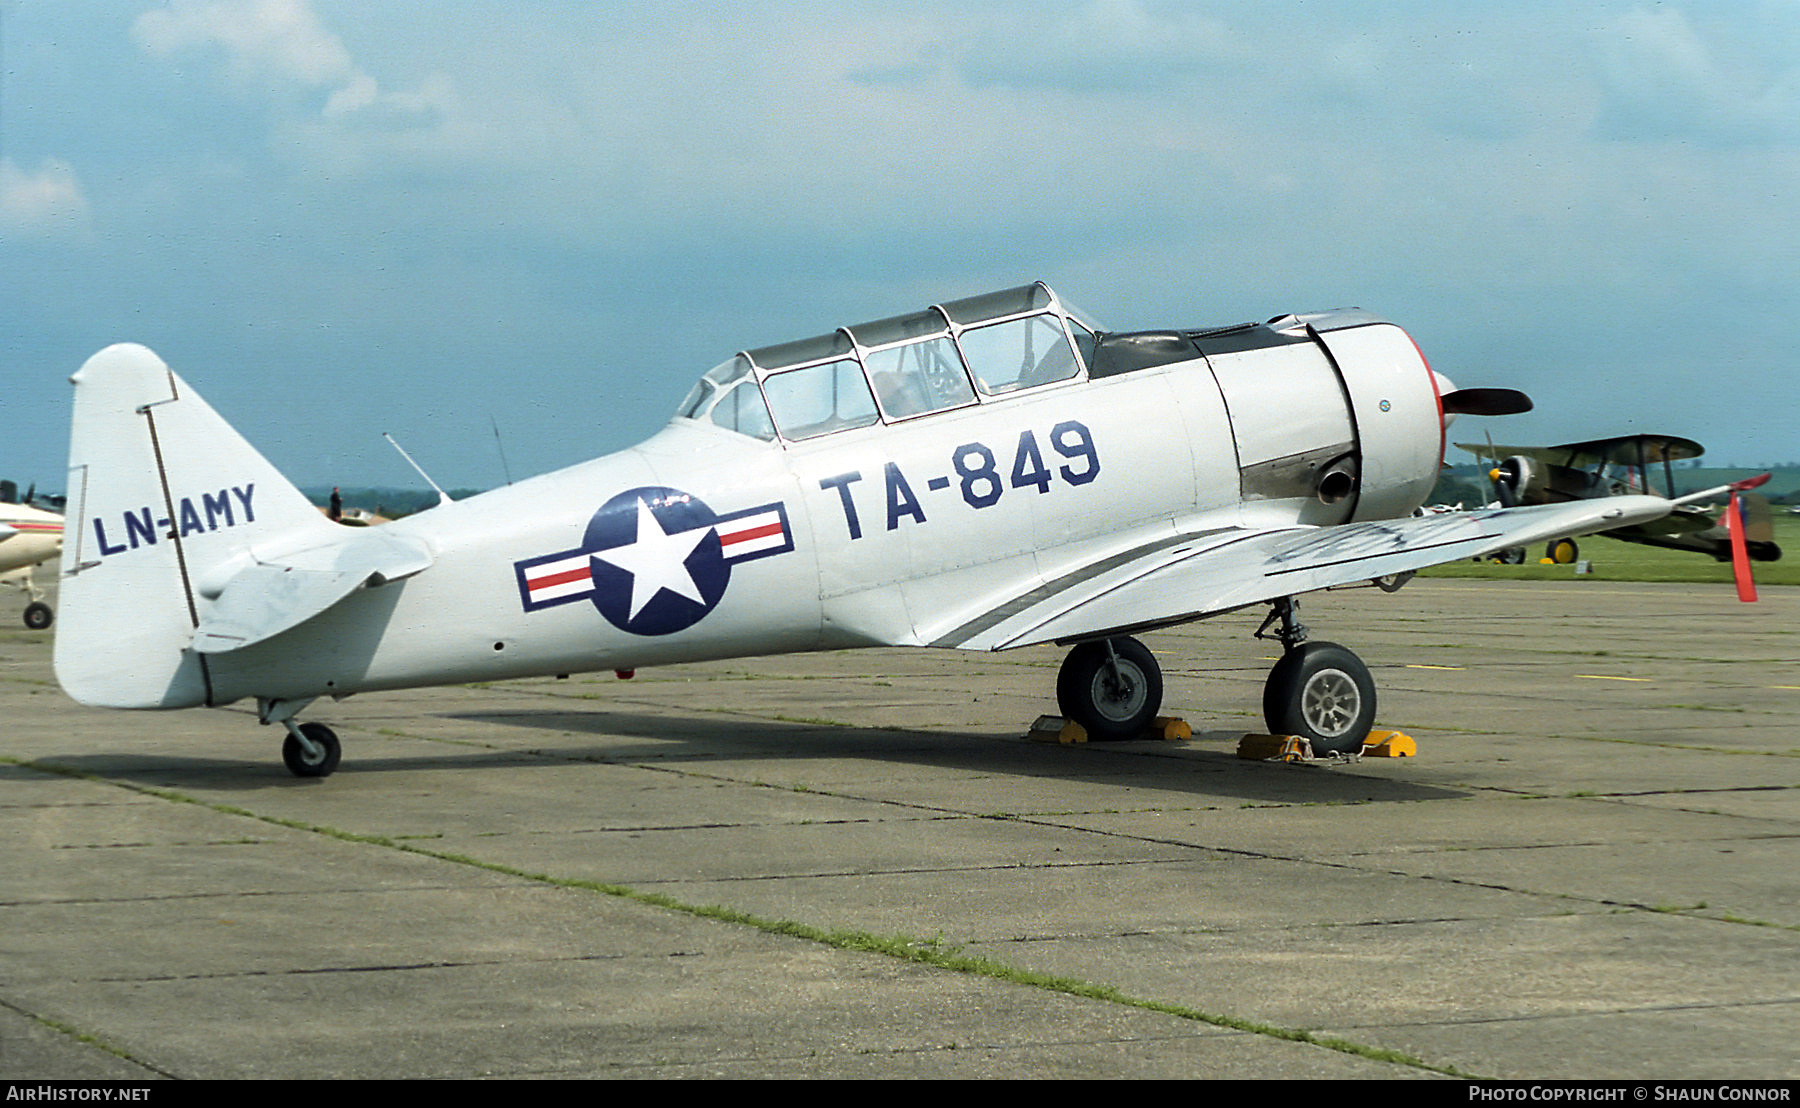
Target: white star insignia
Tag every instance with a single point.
(657, 560)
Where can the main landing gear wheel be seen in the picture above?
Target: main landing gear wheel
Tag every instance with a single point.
(319, 761)
(1323, 693)
(1112, 687)
(1562, 552)
(38, 615)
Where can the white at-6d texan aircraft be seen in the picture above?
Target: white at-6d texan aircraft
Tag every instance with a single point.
(985, 474)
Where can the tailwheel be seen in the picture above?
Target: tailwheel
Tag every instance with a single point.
(1323, 693)
(311, 750)
(1112, 687)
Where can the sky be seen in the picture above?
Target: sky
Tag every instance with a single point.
(546, 219)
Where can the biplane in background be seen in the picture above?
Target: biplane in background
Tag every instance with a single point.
(988, 473)
(1625, 465)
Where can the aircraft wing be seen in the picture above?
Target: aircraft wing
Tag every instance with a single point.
(1629, 450)
(1685, 520)
(1187, 577)
(270, 595)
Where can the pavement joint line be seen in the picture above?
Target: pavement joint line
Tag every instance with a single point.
(374, 967)
(1263, 929)
(1697, 748)
(1615, 1010)
(235, 894)
(927, 952)
(82, 1037)
(1690, 913)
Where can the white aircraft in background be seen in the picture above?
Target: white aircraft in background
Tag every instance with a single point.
(988, 473)
(28, 535)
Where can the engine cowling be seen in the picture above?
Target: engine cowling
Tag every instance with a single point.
(1399, 415)
(1519, 480)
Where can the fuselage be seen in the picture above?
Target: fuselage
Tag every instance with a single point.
(914, 481)
(704, 542)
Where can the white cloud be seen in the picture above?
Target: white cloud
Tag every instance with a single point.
(262, 39)
(47, 203)
(278, 46)
(1668, 79)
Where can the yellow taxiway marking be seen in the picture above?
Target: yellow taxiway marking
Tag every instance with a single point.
(1604, 677)
(1417, 665)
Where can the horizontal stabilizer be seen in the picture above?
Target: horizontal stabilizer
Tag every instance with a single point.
(268, 597)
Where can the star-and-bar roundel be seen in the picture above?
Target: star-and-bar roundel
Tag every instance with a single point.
(654, 560)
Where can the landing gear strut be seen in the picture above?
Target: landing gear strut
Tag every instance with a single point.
(38, 615)
(1112, 687)
(1319, 690)
(310, 749)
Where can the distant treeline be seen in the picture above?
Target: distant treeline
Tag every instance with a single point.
(385, 502)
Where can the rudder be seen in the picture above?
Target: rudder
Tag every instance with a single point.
(165, 502)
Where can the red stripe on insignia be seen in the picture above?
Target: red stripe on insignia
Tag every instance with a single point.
(762, 532)
(562, 578)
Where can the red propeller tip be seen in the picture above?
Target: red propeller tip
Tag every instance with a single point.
(1740, 556)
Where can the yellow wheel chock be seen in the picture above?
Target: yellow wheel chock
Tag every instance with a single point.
(1293, 748)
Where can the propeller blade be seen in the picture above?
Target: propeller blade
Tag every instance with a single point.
(1506, 478)
(1740, 554)
(1486, 402)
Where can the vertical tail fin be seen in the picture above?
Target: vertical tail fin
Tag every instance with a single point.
(165, 502)
(1759, 524)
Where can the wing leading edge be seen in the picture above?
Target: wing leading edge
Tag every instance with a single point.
(1191, 576)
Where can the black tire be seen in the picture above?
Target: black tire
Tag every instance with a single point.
(1323, 693)
(320, 766)
(1110, 706)
(1562, 552)
(38, 615)
(1512, 556)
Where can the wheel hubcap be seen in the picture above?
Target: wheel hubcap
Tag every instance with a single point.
(1330, 702)
(1120, 696)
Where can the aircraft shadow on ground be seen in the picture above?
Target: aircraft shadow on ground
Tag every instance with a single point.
(1207, 767)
